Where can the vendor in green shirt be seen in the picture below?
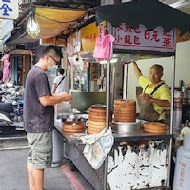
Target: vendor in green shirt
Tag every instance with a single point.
(155, 98)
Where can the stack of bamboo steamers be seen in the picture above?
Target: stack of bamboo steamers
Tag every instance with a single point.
(96, 119)
(124, 111)
(125, 117)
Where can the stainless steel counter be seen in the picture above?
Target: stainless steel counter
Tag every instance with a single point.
(74, 151)
(142, 135)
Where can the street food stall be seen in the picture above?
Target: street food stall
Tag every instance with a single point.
(140, 157)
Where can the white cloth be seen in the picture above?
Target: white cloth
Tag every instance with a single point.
(97, 147)
(63, 86)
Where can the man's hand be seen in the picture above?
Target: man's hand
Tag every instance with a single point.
(55, 99)
(66, 97)
(145, 97)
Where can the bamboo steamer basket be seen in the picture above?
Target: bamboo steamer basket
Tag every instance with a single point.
(95, 126)
(97, 114)
(125, 118)
(96, 119)
(100, 110)
(127, 110)
(122, 102)
(94, 131)
(124, 111)
(73, 126)
(155, 127)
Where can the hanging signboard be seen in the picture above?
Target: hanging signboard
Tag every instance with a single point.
(9, 9)
(89, 34)
(88, 37)
(141, 38)
(6, 26)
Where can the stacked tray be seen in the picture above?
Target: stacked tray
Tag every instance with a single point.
(96, 119)
(73, 126)
(124, 111)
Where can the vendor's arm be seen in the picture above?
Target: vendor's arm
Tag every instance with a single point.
(137, 71)
(52, 100)
(159, 102)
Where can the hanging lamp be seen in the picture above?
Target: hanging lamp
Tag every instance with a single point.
(33, 28)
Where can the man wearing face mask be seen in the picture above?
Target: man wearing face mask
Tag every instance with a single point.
(39, 116)
(155, 98)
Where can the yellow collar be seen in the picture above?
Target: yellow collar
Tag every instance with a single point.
(155, 85)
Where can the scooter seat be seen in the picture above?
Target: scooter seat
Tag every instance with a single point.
(6, 107)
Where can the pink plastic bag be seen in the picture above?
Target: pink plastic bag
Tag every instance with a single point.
(103, 47)
(5, 59)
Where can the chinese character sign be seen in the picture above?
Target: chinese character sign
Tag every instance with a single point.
(9, 9)
(88, 37)
(141, 38)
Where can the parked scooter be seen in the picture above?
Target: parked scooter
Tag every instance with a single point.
(6, 109)
(11, 101)
(5, 119)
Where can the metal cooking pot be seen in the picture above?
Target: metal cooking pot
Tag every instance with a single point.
(121, 127)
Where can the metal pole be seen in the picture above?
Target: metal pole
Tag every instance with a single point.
(127, 80)
(107, 94)
(107, 119)
(172, 97)
(72, 80)
(171, 120)
(105, 173)
(125, 83)
(112, 87)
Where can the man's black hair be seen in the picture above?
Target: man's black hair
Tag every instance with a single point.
(56, 49)
(61, 71)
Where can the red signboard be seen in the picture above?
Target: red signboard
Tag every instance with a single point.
(141, 38)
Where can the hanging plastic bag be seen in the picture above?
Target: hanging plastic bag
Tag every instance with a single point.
(103, 47)
(5, 59)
